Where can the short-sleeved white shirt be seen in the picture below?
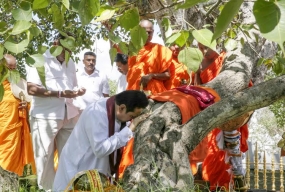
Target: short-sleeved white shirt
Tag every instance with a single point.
(95, 84)
(122, 83)
(58, 77)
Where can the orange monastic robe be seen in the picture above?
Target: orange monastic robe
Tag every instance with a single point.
(188, 106)
(15, 140)
(213, 69)
(152, 58)
(178, 72)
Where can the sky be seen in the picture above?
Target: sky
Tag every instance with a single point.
(103, 62)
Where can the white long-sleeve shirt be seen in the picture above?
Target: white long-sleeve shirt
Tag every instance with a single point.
(89, 145)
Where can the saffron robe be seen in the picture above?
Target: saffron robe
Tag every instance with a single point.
(15, 140)
(152, 58)
(178, 73)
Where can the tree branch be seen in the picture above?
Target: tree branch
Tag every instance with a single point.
(213, 7)
(230, 108)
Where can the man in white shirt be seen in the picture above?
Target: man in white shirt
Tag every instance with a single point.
(122, 64)
(95, 82)
(52, 114)
(91, 145)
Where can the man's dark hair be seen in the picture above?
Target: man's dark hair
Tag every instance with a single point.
(121, 58)
(132, 99)
(90, 53)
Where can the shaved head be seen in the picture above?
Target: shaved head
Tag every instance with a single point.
(10, 61)
(148, 26)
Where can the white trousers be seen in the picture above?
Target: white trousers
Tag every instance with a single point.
(48, 135)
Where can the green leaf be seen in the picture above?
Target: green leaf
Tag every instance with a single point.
(16, 48)
(37, 60)
(123, 47)
(66, 3)
(57, 16)
(114, 38)
(1, 51)
(278, 67)
(189, 3)
(228, 13)
(66, 56)
(56, 50)
(106, 14)
(3, 26)
(138, 37)
(22, 14)
(20, 26)
(167, 27)
(1, 92)
(205, 36)
(42, 49)
(260, 61)
(4, 72)
(191, 57)
(112, 53)
(14, 76)
(130, 19)
(40, 4)
(172, 38)
(87, 10)
(230, 44)
(182, 39)
(68, 43)
(35, 31)
(41, 72)
(270, 17)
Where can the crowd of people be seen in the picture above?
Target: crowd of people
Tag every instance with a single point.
(73, 115)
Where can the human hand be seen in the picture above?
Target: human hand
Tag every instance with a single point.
(145, 79)
(69, 94)
(137, 120)
(23, 105)
(81, 91)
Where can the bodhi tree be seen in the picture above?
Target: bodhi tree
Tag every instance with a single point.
(250, 31)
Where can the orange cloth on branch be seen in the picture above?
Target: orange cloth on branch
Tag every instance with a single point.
(178, 72)
(188, 106)
(15, 140)
(152, 58)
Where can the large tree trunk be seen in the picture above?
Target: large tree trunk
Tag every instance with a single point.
(8, 181)
(162, 145)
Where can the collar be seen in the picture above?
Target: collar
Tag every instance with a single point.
(83, 72)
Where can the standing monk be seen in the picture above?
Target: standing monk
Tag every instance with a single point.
(151, 66)
(15, 141)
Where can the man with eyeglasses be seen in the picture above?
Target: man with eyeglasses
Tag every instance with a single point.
(15, 140)
(150, 68)
(95, 82)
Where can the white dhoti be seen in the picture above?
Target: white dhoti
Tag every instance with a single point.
(48, 135)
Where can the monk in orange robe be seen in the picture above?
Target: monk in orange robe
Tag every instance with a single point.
(151, 66)
(15, 141)
(210, 66)
(178, 71)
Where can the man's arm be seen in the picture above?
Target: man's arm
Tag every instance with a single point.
(39, 91)
(158, 76)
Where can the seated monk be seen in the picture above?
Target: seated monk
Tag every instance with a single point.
(151, 66)
(210, 66)
(15, 141)
(178, 71)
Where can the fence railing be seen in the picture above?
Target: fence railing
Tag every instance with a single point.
(260, 178)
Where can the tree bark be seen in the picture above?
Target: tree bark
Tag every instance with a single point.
(8, 181)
